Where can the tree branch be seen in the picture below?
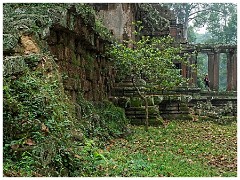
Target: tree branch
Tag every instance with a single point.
(139, 93)
(215, 10)
(199, 11)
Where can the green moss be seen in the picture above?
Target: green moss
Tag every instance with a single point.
(37, 18)
(184, 117)
(9, 42)
(42, 134)
(75, 61)
(89, 61)
(158, 99)
(155, 121)
(153, 110)
(135, 102)
(183, 107)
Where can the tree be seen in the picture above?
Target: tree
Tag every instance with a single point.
(186, 12)
(191, 35)
(219, 18)
(221, 23)
(150, 58)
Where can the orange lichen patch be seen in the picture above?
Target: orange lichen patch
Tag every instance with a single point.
(29, 45)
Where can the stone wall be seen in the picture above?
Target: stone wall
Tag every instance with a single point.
(118, 18)
(79, 52)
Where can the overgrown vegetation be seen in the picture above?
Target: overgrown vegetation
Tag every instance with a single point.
(149, 64)
(153, 18)
(46, 134)
(37, 18)
(179, 149)
(41, 134)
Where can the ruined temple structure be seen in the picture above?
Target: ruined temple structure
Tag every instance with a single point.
(213, 52)
(178, 104)
(118, 18)
(79, 51)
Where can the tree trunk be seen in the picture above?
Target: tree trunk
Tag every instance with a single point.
(146, 104)
(185, 29)
(146, 114)
(185, 33)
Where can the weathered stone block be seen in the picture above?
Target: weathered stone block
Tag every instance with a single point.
(89, 75)
(135, 102)
(70, 84)
(157, 99)
(123, 102)
(53, 39)
(153, 110)
(150, 101)
(86, 86)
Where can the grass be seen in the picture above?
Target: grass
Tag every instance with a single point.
(180, 149)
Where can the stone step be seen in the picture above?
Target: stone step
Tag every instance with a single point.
(152, 122)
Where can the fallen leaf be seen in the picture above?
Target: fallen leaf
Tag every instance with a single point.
(190, 161)
(77, 156)
(45, 128)
(180, 150)
(29, 142)
(15, 146)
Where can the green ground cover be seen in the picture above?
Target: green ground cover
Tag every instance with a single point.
(181, 149)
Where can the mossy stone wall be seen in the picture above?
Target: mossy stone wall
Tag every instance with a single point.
(80, 54)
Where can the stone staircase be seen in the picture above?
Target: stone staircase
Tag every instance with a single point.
(180, 103)
(161, 104)
(126, 96)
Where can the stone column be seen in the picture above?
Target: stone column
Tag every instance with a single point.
(194, 71)
(229, 71)
(235, 71)
(184, 70)
(216, 71)
(210, 68)
(180, 31)
(173, 31)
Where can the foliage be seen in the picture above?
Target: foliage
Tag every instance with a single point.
(186, 12)
(150, 59)
(102, 120)
(36, 112)
(191, 35)
(37, 19)
(179, 149)
(221, 23)
(41, 134)
(152, 17)
(202, 38)
(202, 70)
(220, 19)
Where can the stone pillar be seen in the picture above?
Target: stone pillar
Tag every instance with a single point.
(179, 31)
(210, 68)
(194, 71)
(216, 71)
(184, 70)
(229, 71)
(235, 71)
(173, 28)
